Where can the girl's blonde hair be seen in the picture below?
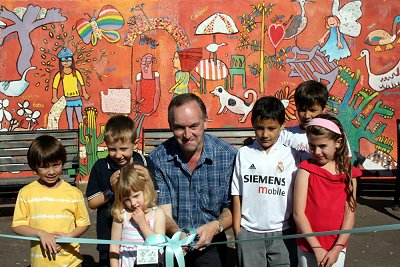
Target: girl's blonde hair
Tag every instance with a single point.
(341, 156)
(129, 181)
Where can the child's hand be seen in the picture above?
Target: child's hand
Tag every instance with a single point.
(319, 255)
(143, 172)
(331, 257)
(114, 178)
(138, 216)
(48, 242)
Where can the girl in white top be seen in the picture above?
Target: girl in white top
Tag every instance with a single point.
(135, 215)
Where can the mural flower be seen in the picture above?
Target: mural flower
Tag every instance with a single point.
(32, 118)
(24, 109)
(287, 98)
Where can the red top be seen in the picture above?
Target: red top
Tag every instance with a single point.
(148, 93)
(325, 206)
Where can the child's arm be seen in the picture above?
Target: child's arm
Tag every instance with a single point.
(116, 232)
(21, 224)
(82, 84)
(348, 223)
(299, 207)
(139, 218)
(236, 214)
(48, 240)
(159, 224)
(322, 39)
(100, 198)
(339, 42)
(77, 232)
(82, 220)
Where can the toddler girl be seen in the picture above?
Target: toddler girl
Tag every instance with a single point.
(135, 215)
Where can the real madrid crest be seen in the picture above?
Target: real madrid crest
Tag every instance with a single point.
(280, 167)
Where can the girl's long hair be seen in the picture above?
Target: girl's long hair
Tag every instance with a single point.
(341, 156)
(129, 181)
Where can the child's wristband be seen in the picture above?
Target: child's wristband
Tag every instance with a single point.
(338, 245)
(108, 194)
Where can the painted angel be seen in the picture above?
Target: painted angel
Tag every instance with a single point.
(342, 22)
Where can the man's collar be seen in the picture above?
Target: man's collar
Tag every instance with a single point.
(206, 154)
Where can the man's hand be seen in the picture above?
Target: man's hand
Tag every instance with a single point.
(143, 172)
(206, 233)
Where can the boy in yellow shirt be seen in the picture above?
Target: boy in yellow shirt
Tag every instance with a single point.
(50, 208)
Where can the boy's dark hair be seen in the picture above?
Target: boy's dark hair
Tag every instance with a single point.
(44, 150)
(119, 128)
(309, 93)
(268, 107)
(182, 99)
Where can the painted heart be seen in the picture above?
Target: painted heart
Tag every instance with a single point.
(276, 33)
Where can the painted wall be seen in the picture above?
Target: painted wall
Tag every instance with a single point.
(133, 56)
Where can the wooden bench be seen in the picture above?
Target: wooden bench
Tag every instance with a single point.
(379, 181)
(151, 138)
(14, 145)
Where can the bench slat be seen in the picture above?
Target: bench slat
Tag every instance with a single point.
(24, 151)
(18, 160)
(25, 167)
(26, 143)
(30, 135)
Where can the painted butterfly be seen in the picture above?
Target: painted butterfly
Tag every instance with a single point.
(108, 21)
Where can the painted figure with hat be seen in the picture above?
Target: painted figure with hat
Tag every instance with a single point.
(71, 80)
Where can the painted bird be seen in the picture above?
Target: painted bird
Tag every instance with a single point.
(298, 23)
(383, 81)
(381, 37)
(213, 48)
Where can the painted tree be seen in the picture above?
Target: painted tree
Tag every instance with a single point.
(250, 23)
(357, 112)
(24, 24)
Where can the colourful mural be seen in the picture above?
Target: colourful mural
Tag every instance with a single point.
(75, 64)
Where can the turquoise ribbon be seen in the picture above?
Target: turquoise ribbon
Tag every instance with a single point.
(173, 246)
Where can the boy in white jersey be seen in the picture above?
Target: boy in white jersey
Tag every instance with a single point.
(262, 189)
(50, 208)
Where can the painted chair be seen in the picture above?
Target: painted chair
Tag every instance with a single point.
(238, 67)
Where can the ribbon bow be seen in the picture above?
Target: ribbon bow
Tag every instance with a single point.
(173, 246)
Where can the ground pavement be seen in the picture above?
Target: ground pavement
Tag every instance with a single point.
(380, 249)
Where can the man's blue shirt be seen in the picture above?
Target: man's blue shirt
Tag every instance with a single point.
(199, 197)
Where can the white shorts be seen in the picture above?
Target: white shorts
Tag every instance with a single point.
(307, 259)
